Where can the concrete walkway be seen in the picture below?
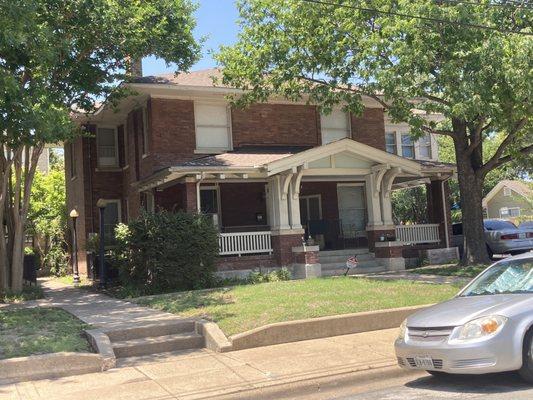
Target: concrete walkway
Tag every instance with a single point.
(204, 374)
(99, 310)
(412, 276)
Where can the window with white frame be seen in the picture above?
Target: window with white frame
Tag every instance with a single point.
(112, 217)
(334, 126)
(506, 191)
(408, 147)
(213, 133)
(146, 132)
(424, 146)
(390, 142)
(509, 212)
(106, 141)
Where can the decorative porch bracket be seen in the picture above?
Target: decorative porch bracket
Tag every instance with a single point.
(386, 189)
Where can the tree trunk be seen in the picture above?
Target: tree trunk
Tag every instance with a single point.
(18, 258)
(471, 193)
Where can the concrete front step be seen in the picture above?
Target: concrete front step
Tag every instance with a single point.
(150, 330)
(157, 344)
(342, 259)
(344, 252)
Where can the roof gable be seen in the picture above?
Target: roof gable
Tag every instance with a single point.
(520, 188)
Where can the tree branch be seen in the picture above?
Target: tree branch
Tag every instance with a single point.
(495, 160)
(442, 132)
(525, 151)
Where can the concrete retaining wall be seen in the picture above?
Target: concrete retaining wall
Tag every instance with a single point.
(48, 366)
(315, 328)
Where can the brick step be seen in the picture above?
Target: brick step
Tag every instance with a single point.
(157, 344)
(150, 329)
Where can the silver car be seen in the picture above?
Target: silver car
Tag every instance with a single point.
(487, 327)
(504, 237)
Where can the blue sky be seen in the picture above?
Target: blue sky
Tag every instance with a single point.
(215, 19)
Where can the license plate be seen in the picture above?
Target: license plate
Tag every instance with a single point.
(424, 362)
(521, 236)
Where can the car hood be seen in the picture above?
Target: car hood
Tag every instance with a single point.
(460, 310)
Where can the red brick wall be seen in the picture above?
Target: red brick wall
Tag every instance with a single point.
(173, 132)
(275, 124)
(282, 246)
(245, 262)
(369, 128)
(373, 236)
(240, 202)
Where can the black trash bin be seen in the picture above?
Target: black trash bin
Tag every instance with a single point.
(29, 271)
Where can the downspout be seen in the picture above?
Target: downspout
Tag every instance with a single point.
(446, 232)
(198, 183)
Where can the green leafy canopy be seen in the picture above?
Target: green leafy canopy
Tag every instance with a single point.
(331, 54)
(57, 55)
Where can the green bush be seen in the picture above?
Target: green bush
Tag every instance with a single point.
(160, 252)
(256, 277)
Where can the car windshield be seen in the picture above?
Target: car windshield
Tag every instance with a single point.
(496, 225)
(514, 276)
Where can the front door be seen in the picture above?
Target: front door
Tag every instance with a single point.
(310, 210)
(352, 212)
(209, 203)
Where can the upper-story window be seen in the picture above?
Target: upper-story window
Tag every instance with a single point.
(506, 191)
(213, 132)
(390, 143)
(334, 126)
(107, 147)
(424, 146)
(408, 147)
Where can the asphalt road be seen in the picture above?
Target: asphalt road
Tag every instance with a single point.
(397, 384)
(488, 387)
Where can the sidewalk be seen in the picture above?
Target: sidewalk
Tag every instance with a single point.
(98, 310)
(204, 374)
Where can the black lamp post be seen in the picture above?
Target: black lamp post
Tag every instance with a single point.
(101, 206)
(74, 215)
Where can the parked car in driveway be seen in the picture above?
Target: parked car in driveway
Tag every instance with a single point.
(504, 237)
(487, 327)
(501, 236)
(526, 225)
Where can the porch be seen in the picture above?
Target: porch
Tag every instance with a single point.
(266, 202)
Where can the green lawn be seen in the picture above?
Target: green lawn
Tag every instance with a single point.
(240, 308)
(469, 271)
(31, 331)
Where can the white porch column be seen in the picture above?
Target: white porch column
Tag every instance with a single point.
(373, 201)
(385, 195)
(294, 206)
(277, 207)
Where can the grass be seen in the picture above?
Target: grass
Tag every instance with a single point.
(240, 308)
(30, 331)
(468, 271)
(69, 280)
(28, 293)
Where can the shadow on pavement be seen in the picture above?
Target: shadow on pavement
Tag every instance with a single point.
(474, 384)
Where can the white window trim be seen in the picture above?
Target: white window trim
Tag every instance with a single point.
(507, 191)
(229, 126)
(395, 135)
(117, 161)
(508, 215)
(400, 145)
(145, 138)
(418, 145)
(313, 196)
(348, 132)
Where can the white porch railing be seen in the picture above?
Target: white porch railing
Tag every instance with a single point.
(423, 233)
(244, 243)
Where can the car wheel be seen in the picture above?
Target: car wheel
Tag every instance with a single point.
(438, 374)
(526, 372)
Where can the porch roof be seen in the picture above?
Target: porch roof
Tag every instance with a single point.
(265, 161)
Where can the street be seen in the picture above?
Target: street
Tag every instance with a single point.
(396, 384)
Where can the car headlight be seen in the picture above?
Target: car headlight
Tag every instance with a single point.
(403, 330)
(479, 328)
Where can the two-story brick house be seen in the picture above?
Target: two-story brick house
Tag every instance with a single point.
(268, 174)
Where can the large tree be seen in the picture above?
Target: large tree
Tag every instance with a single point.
(469, 61)
(56, 56)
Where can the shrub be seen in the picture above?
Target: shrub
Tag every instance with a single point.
(256, 277)
(164, 251)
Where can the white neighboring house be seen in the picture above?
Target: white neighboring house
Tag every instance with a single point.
(509, 199)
